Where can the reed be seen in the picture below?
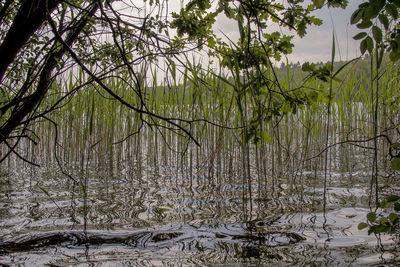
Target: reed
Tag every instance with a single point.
(95, 132)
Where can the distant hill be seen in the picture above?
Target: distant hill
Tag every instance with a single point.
(359, 69)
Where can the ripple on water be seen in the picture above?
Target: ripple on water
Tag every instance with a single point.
(375, 258)
(341, 228)
(208, 217)
(220, 243)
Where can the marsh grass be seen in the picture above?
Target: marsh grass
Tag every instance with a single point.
(95, 131)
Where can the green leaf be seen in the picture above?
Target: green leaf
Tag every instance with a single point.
(373, 9)
(211, 42)
(316, 21)
(377, 33)
(356, 16)
(360, 36)
(384, 20)
(393, 198)
(371, 217)
(377, 229)
(394, 56)
(393, 217)
(365, 24)
(373, 229)
(395, 145)
(370, 44)
(395, 164)
(301, 28)
(363, 46)
(362, 225)
(318, 3)
(267, 139)
(396, 2)
(383, 228)
(370, 231)
(379, 4)
(342, 67)
(383, 220)
(392, 10)
(396, 206)
(394, 45)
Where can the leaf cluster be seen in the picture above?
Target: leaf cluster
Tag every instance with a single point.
(378, 19)
(322, 73)
(384, 222)
(195, 21)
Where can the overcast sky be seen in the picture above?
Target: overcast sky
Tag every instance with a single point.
(317, 44)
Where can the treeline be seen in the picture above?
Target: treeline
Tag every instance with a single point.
(359, 69)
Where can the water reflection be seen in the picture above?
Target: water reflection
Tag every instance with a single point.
(167, 219)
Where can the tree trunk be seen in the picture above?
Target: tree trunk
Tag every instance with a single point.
(45, 76)
(31, 15)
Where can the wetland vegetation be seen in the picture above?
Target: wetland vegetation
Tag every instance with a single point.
(107, 158)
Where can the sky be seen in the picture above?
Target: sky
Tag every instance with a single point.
(317, 44)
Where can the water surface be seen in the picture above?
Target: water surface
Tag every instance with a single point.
(169, 217)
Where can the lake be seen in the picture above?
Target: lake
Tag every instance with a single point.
(194, 207)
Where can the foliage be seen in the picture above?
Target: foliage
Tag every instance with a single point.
(385, 222)
(382, 221)
(369, 16)
(372, 14)
(43, 39)
(249, 59)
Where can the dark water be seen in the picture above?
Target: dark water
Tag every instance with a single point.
(169, 217)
